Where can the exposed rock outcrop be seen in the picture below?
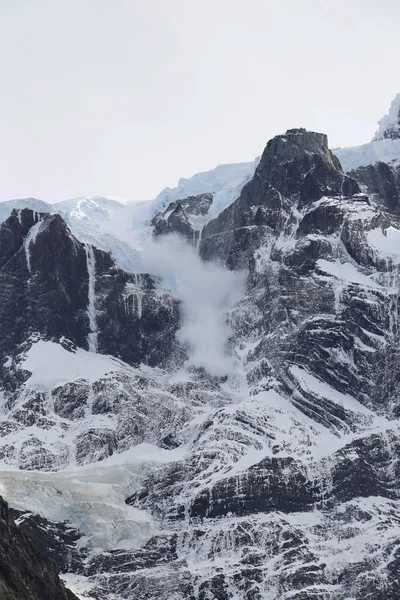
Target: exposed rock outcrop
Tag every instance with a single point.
(296, 169)
(25, 574)
(382, 179)
(389, 125)
(185, 217)
(55, 287)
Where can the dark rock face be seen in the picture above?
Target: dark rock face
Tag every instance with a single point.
(256, 517)
(358, 470)
(159, 550)
(56, 541)
(45, 280)
(95, 445)
(185, 217)
(137, 321)
(382, 179)
(71, 399)
(25, 574)
(296, 169)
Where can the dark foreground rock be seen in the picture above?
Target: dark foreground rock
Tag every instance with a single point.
(25, 574)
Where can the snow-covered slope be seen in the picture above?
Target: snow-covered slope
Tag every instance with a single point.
(385, 150)
(117, 228)
(123, 229)
(224, 182)
(389, 125)
(385, 145)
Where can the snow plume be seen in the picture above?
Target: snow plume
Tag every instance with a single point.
(207, 292)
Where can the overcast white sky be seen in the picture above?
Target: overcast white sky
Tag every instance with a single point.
(123, 97)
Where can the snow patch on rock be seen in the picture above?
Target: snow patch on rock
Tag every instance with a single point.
(51, 365)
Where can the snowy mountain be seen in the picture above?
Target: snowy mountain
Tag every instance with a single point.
(178, 454)
(199, 393)
(122, 228)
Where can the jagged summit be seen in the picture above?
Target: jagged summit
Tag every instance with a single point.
(300, 163)
(295, 142)
(295, 170)
(389, 125)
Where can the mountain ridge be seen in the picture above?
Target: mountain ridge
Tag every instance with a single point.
(122, 229)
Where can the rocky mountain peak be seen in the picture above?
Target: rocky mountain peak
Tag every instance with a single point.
(295, 143)
(26, 227)
(389, 125)
(296, 170)
(300, 162)
(26, 217)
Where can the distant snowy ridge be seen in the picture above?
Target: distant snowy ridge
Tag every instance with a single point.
(122, 229)
(367, 154)
(224, 182)
(389, 125)
(385, 145)
(7, 206)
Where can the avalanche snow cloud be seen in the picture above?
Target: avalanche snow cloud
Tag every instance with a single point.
(207, 292)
